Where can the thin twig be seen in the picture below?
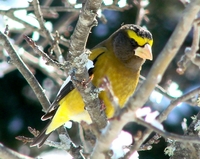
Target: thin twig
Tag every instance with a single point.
(158, 89)
(115, 8)
(164, 115)
(141, 14)
(55, 73)
(174, 103)
(40, 19)
(66, 9)
(165, 134)
(190, 52)
(10, 14)
(43, 54)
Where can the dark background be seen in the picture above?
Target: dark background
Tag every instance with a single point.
(19, 108)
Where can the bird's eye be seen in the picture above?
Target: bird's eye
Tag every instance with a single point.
(133, 42)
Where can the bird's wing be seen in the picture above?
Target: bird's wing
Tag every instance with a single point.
(68, 87)
(41, 138)
(96, 52)
(54, 106)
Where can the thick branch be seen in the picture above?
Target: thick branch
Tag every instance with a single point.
(6, 153)
(78, 58)
(155, 75)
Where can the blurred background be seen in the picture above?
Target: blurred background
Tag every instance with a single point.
(19, 107)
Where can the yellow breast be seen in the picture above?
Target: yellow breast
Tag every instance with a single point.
(123, 80)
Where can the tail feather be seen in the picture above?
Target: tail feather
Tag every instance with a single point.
(41, 138)
(48, 115)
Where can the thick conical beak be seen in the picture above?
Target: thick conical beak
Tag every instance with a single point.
(144, 52)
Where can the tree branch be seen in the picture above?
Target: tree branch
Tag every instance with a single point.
(190, 52)
(7, 153)
(155, 75)
(174, 103)
(43, 54)
(30, 78)
(48, 35)
(164, 115)
(165, 134)
(184, 150)
(78, 57)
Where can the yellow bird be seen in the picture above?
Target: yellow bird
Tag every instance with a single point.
(119, 58)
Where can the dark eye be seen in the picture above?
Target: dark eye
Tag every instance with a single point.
(133, 43)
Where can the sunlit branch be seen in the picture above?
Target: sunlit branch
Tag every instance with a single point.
(190, 52)
(141, 13)
(48, 59)
(47, 34)
(154, 77)
(10, 154)
(66, 9)
(165, 113)
(174, 103)
(165, 134)
(78, 57)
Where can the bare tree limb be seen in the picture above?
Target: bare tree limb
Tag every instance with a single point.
(30, 78)
(6, 153)
(77, 58)
(164, 115)
(66, 9)
(165, 134)
(43, 54)
(140, 97)
(174, 103)
(190, 52)
(184, 150)
(141, 11)
(48, 35)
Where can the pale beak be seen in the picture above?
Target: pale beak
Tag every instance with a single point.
(144, 52)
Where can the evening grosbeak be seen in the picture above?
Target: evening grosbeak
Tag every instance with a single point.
(119, 58)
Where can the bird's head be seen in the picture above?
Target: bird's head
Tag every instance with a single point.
(132, 43)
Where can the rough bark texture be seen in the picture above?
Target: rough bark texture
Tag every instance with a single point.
(78, 58)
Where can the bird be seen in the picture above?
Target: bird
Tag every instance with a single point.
(119, 58)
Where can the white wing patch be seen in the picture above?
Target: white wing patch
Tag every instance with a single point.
(64, 84)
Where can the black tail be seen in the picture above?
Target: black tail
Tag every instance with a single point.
(41, 138)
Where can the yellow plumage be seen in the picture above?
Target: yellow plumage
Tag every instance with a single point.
(119, 58)
(123, 82)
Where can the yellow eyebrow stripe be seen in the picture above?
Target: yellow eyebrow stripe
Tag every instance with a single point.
(141, 41)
